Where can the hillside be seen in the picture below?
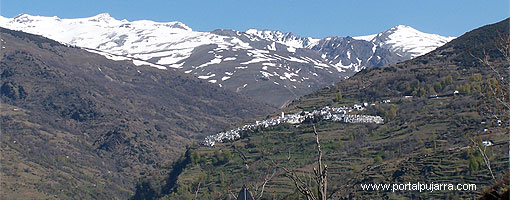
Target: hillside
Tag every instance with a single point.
(76, 125)
(425, 136)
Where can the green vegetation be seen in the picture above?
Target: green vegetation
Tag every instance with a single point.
(423, 139)
(338, 97)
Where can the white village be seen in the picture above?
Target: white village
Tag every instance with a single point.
(337, 114)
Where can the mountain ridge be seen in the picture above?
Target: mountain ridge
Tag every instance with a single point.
(244, 62)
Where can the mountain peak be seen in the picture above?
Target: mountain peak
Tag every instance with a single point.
(26, 18)
(397, 27)
(406, 41)
(288, 38)
(21, 15)
(21, 18)
(102, 17)
(267, 33)
(403, 29)
(179, 25)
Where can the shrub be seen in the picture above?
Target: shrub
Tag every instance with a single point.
(338, 97)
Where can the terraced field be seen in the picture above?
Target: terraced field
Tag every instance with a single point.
(436, 114)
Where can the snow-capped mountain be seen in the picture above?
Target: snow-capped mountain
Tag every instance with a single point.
(406, 41)
(145, 40)
(269, 66)
(288, 39)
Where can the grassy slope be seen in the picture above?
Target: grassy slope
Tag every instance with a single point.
(420, 144)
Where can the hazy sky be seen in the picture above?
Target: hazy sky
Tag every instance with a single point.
(318, 18)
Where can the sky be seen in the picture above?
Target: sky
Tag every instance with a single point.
(317, 18)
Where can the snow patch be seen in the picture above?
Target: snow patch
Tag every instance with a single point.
(229, 59)
(140, 63)
(207, 76)
(211, 62)
(272, 47)
(266, 74)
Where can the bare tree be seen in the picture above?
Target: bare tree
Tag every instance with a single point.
(258, 186)
(230, 193)
(486, 159)
(270, 173)
(197, 189)
(496, 102)
(320, 176)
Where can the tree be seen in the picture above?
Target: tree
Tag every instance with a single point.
(391, 113)
(194, 157)
(431, 90)
(338, 97)
(476, 77)
(438, 87)
(464, 89)
(496, 98)
(259, 187)
(475, 161)
(320, 177)
(221, 157)
(446, 81)
(421, 92)
(378, 159)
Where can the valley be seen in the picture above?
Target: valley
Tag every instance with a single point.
(78, 125)
(430, 122)
(102, 108)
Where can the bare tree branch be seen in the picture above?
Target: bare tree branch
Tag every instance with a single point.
(500, 92)
(271, 172)
(198, 188)
(322, 172)
(300, 185)
(230, 193)
(486, 159)
(319, 177)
